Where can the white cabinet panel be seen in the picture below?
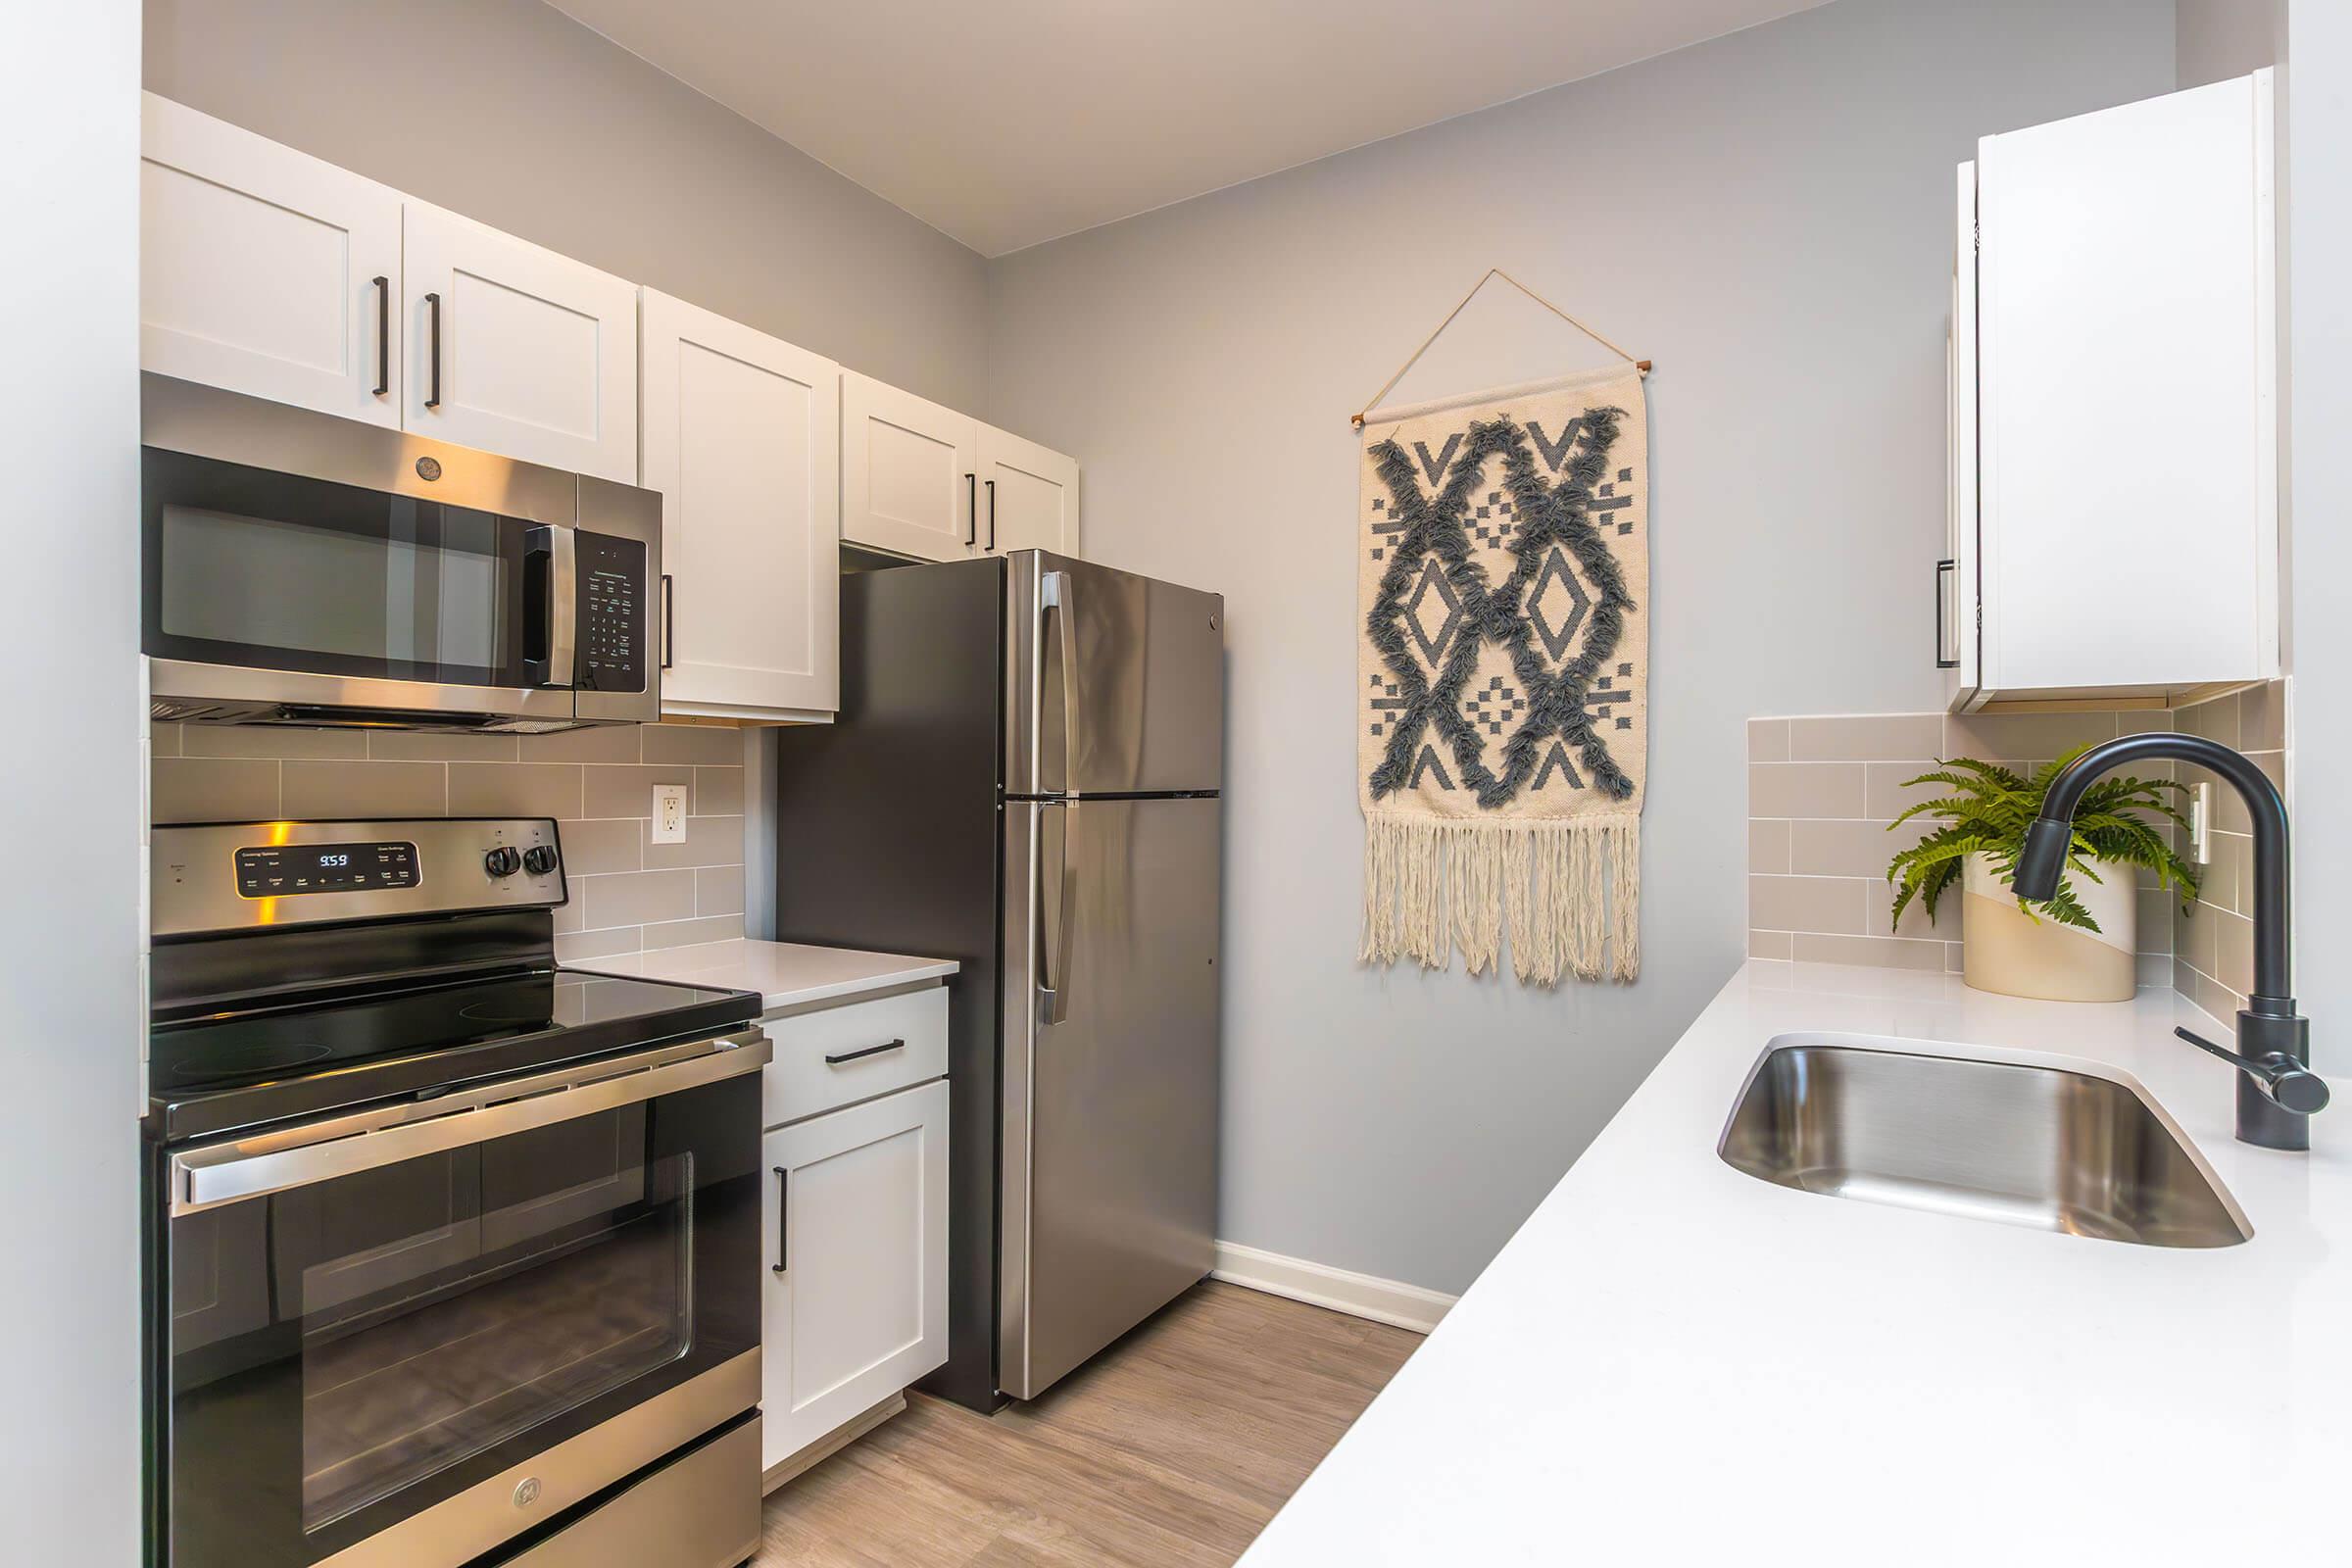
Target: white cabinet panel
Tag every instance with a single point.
(910, 472)
(265, 270)
(859, 1050)
(2127, 459)
(742, 438)
(1028, 496)
(857, 1293)
(517, 350)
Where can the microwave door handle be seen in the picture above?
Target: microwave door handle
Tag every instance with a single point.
(1055, 593)
(550, 606)
(563, 608)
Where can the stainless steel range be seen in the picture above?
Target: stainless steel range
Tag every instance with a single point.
(453, 1253)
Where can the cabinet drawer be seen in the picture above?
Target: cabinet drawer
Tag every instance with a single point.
(801, 1082)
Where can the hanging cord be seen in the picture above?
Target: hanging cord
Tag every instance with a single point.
(1358, 419)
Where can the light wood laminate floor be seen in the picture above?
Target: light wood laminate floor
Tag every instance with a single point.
(1172, 1449)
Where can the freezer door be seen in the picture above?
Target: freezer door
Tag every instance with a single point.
(1116, 682)
(1109, 1143)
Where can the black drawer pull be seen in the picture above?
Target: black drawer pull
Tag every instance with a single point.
(383, 336)
(432, 304)
(783, 1261)
(869, 1051)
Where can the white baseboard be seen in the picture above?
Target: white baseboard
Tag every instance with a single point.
(1365, 1296)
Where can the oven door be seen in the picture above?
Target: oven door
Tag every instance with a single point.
(265, 586)
(409, 1336)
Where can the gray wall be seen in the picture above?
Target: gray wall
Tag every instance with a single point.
(73, 1010)
(1769, 217)
(2319, 473)
(510, 113)
(2216, 39)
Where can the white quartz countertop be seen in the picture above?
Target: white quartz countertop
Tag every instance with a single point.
(787, 974)
(1673, 1362)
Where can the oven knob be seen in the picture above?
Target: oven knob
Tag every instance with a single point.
(539, 859)
(502, 861)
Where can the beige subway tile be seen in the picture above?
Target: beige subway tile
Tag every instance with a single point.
(162, 740)
(704, 745)
(687, 933)
(2153, 969)
(282, 741)
(597, 743)
(2233, 952)
(2215, 720)
(1866, 738)
(1887, 789)
(2154, 917)
(1767, 945)
(2184, 979)
(2228, 880)
(1884, 952)
(2222, 1002)
(570, 915)
(1955, 957)
(431, 746)
(515, 789)
(1768, 740)
(718, 791)
(584, 945)
(214, 789)
(347, 790)
(2262, 718)
(1944, 925)
(1828, 904)
(1858, 847)
(2194, 938)
(1991, 735)
(638, 898)
(594, 846)
(1767, 846)
(709, 841)
(613, 790)
(1805, 789)
(2273, 765)
(718, 890)
(2146, 721)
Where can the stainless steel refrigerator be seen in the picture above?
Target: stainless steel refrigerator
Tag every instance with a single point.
(1024, 776)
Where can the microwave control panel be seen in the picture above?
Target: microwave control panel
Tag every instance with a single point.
(613, 594)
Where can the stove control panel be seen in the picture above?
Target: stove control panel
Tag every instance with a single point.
(238, 876)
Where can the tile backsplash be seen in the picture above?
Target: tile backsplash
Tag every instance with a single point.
(628, 892)
(1820, 792)
(2213, 945)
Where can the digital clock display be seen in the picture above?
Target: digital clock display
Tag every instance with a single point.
(285, 870)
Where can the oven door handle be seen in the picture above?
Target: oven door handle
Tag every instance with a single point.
(212, 1175)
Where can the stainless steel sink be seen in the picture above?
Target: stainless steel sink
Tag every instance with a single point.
(2044, 1147)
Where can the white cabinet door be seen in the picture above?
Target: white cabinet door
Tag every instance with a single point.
(910, 472)
(517, 350)
(742, 438)
(1028, 496)
(857, 1214)
(2129, 458)
(1956, 639)
(265, 271)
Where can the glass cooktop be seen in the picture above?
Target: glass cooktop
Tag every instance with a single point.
(245, 1066)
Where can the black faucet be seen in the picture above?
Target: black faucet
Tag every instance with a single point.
(2277, 1092)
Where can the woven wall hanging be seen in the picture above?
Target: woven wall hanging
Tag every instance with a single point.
(1502, 677)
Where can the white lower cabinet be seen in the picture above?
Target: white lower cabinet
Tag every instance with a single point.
(857, 1213)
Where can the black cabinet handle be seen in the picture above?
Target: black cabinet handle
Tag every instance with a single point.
(433, 306)
(869, 1051)
(971, 509)
(1942, 567)
(668, 596)
(992, 515)
(383, 336)
(783, 1263)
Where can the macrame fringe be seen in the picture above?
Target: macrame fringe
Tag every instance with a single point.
(1568, 894)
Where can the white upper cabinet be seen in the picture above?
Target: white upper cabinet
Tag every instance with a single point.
(2123, 416)
(517, 350)
(1028, 496)
(742, 438)
(265, 270)
(910, 472)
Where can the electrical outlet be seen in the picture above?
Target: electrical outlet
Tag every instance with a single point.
(669, 814)
(2200, 826)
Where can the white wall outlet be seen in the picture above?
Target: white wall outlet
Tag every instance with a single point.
(669, 814)
(2200, 826)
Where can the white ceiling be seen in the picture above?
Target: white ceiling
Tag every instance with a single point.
(1006, 122)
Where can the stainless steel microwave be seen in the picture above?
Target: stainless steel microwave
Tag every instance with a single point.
(300, 569)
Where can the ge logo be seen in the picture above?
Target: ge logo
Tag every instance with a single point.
(526, 1491)
(428, 468)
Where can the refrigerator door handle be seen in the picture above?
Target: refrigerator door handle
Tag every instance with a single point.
(1055, 593)
(1054, 875)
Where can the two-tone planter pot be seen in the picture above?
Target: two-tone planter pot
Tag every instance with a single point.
(2018, 955)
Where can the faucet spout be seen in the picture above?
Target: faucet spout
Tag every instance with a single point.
(2268, 1029)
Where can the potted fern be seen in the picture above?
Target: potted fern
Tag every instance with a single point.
(2079, 946)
